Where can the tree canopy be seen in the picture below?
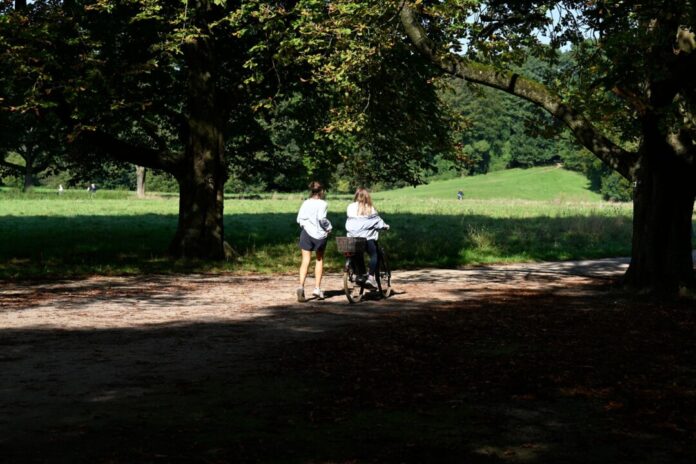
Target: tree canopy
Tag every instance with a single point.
(631, 88)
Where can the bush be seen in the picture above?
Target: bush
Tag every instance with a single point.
(616, 188)
(160, 181)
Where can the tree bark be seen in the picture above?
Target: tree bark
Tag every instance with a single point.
(28, 170)
(140, 181)
(200, 231)
(663, 204)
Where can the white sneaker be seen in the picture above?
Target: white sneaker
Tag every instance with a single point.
(300, 295)
(371, 281)
(318, 293)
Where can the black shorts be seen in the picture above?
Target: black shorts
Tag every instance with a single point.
(309, 243)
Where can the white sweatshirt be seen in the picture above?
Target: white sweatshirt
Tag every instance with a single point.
(312, 218)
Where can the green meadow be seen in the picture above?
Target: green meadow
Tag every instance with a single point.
(43, 234)
(548, 183)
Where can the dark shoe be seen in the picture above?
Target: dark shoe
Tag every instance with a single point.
(300, 295)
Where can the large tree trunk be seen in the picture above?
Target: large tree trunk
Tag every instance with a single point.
(663, 204)
(200, 231)
(140, 181)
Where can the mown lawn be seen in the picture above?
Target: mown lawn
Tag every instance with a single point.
(79, 235)
(546, 183)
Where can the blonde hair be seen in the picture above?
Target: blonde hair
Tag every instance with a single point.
(362, 197)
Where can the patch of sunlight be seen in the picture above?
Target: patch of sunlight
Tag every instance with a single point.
(526, 452)
(307, 330)
(112, 395)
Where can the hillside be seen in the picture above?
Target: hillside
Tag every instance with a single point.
(545, 183)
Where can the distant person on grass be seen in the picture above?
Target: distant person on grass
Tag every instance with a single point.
(315, 231)
(460, 195)
(363, 221)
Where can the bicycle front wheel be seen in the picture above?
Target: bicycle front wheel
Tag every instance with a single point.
(384, 275)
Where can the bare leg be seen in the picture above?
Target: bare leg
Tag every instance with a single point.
(304, 267)
(319, 268)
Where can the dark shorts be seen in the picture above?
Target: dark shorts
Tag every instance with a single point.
(309, 243)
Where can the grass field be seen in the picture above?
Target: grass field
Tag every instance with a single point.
(115, 236)
(44, 234)
(548, 183)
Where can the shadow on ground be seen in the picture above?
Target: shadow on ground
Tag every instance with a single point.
(515, 376)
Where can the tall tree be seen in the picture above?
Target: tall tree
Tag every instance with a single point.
(36, 141)
(32, 136)
(190, 87)
(634, 74)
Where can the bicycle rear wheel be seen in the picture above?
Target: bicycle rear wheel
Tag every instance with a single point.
(353, 290)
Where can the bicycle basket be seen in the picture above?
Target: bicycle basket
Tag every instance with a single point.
(351, 244)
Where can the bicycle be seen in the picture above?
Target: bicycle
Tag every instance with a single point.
(354, 276)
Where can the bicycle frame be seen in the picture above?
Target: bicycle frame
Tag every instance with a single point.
(354, 281)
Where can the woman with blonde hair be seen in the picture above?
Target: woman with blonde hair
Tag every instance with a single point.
(363, 221)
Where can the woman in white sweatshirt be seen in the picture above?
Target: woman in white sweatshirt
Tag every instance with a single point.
(315, 231)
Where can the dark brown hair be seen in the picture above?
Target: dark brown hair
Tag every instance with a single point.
(316, 188)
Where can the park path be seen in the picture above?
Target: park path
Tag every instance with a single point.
(71, 339)
(102, 302)
(69, 346)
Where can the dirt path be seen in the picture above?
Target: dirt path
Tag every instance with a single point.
(82, 357)
(101, 303)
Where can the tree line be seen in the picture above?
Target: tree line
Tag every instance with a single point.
(501, 132)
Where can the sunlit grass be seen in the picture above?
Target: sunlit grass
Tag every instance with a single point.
(547, 183)
(75, 236)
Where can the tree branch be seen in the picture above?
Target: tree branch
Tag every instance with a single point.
(634, 100)
(624, 162)
(131, 153)
(682, 143)
(42, 166)
(14, 167)
(150, 128)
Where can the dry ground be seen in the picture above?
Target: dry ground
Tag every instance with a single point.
(534, 363)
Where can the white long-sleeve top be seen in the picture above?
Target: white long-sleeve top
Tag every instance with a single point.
(363, 226)
(352, 210)
(312, 218)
